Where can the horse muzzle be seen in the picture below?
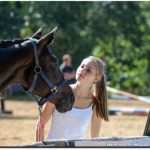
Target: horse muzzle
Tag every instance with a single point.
(64, 105)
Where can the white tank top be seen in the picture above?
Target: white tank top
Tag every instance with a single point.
(70, 125)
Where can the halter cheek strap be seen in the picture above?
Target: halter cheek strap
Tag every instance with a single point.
(38, 71)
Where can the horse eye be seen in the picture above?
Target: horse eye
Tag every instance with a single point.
(55, 64)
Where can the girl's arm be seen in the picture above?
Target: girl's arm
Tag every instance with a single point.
(95, 125)
(47, 112)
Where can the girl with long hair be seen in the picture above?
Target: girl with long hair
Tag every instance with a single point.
(90, 106)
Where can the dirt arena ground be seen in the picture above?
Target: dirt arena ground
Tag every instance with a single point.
(18, 128)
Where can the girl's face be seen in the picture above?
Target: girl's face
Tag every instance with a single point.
(86, 72)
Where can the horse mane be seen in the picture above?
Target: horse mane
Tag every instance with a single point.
(7, 43)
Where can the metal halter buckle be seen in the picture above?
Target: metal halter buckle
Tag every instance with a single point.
(37, 69)
(54, 90)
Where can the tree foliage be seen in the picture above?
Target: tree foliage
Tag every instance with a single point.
(119, 31)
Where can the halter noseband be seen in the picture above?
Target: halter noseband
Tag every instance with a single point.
(38, 71)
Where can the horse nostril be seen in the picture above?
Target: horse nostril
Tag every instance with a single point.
(64, 102)
(59, 103)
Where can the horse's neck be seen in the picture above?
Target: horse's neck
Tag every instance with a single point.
(13, 62)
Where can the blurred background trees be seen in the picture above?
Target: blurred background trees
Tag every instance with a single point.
(119, 31)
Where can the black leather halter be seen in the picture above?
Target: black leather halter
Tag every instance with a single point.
(38, 71)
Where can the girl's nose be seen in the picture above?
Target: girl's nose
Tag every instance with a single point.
(82, 70)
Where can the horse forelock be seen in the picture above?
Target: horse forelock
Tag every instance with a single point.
(7, 43)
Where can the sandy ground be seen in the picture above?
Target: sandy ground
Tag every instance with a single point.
(18, 128)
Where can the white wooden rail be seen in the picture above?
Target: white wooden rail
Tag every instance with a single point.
(141, 98)
(141, 141)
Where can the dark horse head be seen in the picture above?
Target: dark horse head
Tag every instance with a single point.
(17, 64)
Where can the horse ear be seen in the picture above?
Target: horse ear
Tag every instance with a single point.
(38, 34)
(48, 38)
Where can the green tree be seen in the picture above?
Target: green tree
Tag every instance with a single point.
(125, 44)
(117, 30)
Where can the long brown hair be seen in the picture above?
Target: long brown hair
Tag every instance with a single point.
(100, 99)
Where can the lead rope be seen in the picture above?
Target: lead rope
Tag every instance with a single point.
(41, 122)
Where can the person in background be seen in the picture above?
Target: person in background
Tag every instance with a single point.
(67, 69)
(90, 106)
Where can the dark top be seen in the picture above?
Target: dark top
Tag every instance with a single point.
(67, 69)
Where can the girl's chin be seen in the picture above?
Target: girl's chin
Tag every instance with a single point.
(78, 78)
